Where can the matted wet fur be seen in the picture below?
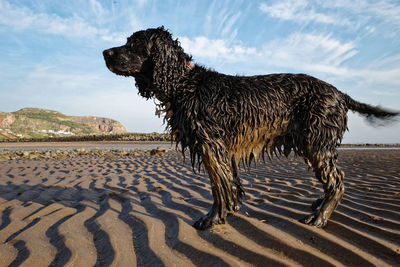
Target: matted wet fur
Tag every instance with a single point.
(224, 120)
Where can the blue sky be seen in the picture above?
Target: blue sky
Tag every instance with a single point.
(51, 51)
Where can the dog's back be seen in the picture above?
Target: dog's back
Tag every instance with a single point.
(271, 113)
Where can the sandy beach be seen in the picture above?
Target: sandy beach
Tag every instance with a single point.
(137, 210)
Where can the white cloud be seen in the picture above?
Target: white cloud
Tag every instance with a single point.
(354, 13)
(300, 11)
(204, 48)
(308, 49)
(318, 54)
(301, 51)
(22, 18)
(387, 10)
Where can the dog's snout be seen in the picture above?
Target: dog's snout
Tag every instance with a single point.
(108, 52)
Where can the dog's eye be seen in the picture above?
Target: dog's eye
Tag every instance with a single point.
(134, 42)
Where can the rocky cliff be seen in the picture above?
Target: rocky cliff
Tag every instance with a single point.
(104, 125)
(34, 122)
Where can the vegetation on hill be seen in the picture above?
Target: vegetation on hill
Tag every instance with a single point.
(35, 123)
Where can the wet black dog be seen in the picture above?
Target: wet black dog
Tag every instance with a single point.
(226, 119)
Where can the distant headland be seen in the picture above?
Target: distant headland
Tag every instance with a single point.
(36, 123)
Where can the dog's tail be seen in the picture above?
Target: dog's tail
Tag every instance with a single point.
(368, 111)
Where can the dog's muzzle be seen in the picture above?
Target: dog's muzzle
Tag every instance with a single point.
(108, 53)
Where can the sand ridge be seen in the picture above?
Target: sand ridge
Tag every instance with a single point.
(137, 210)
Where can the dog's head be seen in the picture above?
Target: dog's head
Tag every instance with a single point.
(129, 59)
(152, 57)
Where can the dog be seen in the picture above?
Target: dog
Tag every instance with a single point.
(226, 120)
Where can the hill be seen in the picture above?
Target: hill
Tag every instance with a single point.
(41, 123)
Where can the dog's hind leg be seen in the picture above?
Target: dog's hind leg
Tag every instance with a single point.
(331, 178)
(237, 185)
(225, 186)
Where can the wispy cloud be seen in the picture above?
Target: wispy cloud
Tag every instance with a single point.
(97, 9)
(22, 19)
(314, 53)
(222, 19)
(299, 51)
(299, 11)
(308, 49)
(357, 14)
(388, 10)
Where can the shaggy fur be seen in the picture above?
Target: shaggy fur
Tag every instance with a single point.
(224, 120)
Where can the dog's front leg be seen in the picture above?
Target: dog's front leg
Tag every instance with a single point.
(224, 191)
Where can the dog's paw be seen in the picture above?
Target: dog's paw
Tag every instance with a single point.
(315, 219)
(207, 221)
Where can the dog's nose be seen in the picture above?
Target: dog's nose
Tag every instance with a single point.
(108, 52)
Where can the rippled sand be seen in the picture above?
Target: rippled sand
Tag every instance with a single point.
(138, 210)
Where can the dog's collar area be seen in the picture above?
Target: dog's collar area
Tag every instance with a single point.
(189, 66)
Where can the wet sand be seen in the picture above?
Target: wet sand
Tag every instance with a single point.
(138, 211)
(28, 146)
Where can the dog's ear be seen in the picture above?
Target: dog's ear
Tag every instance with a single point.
(158, 38)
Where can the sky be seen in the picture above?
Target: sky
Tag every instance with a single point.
(51, 51)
